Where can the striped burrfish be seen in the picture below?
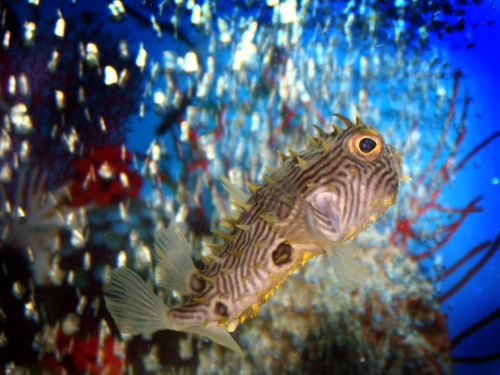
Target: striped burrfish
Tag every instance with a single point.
(315, 201)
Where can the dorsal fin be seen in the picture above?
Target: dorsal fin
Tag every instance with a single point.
(175, 265)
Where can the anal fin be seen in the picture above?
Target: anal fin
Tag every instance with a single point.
(217, 334)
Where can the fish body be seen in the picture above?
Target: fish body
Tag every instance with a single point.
(315, 201)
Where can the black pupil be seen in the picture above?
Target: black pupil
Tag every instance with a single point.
(367, 145)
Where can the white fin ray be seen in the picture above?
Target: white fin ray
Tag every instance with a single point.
(351, 273)
(175, 265)
(237, 195)
(217, 334)
(134, 307)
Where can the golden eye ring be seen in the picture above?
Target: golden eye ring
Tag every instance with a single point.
(366, 145)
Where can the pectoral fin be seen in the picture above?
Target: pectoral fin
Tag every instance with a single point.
(351, 273)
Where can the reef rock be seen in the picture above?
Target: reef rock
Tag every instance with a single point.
(392, 325)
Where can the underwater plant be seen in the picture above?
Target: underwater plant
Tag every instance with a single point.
(67, 90)
(58, 103)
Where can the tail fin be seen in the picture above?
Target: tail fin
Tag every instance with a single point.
(134, 307)
(136, 310)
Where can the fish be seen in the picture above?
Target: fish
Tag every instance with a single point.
(312, 204)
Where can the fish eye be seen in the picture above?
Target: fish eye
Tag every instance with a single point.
(367, 145)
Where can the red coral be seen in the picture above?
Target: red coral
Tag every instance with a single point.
(105, 177)
(86, 354)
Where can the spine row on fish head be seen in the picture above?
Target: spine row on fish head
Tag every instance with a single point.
(359, 185)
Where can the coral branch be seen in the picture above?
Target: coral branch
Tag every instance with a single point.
(449, 118)
(475, 327)
(319, 116)
(475, 150)
(449, 229)
(481, 359)
(472, 271)
(432, 182)
(465, 258)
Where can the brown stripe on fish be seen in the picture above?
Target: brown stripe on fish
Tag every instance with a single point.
(321, 170)
(235, 282)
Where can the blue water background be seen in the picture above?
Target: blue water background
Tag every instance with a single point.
(481, 295)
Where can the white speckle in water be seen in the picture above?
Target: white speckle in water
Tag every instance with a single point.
(495, 180)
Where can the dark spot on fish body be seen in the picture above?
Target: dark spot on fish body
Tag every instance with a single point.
(221, 309)
(197, 284)
(282, 255)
